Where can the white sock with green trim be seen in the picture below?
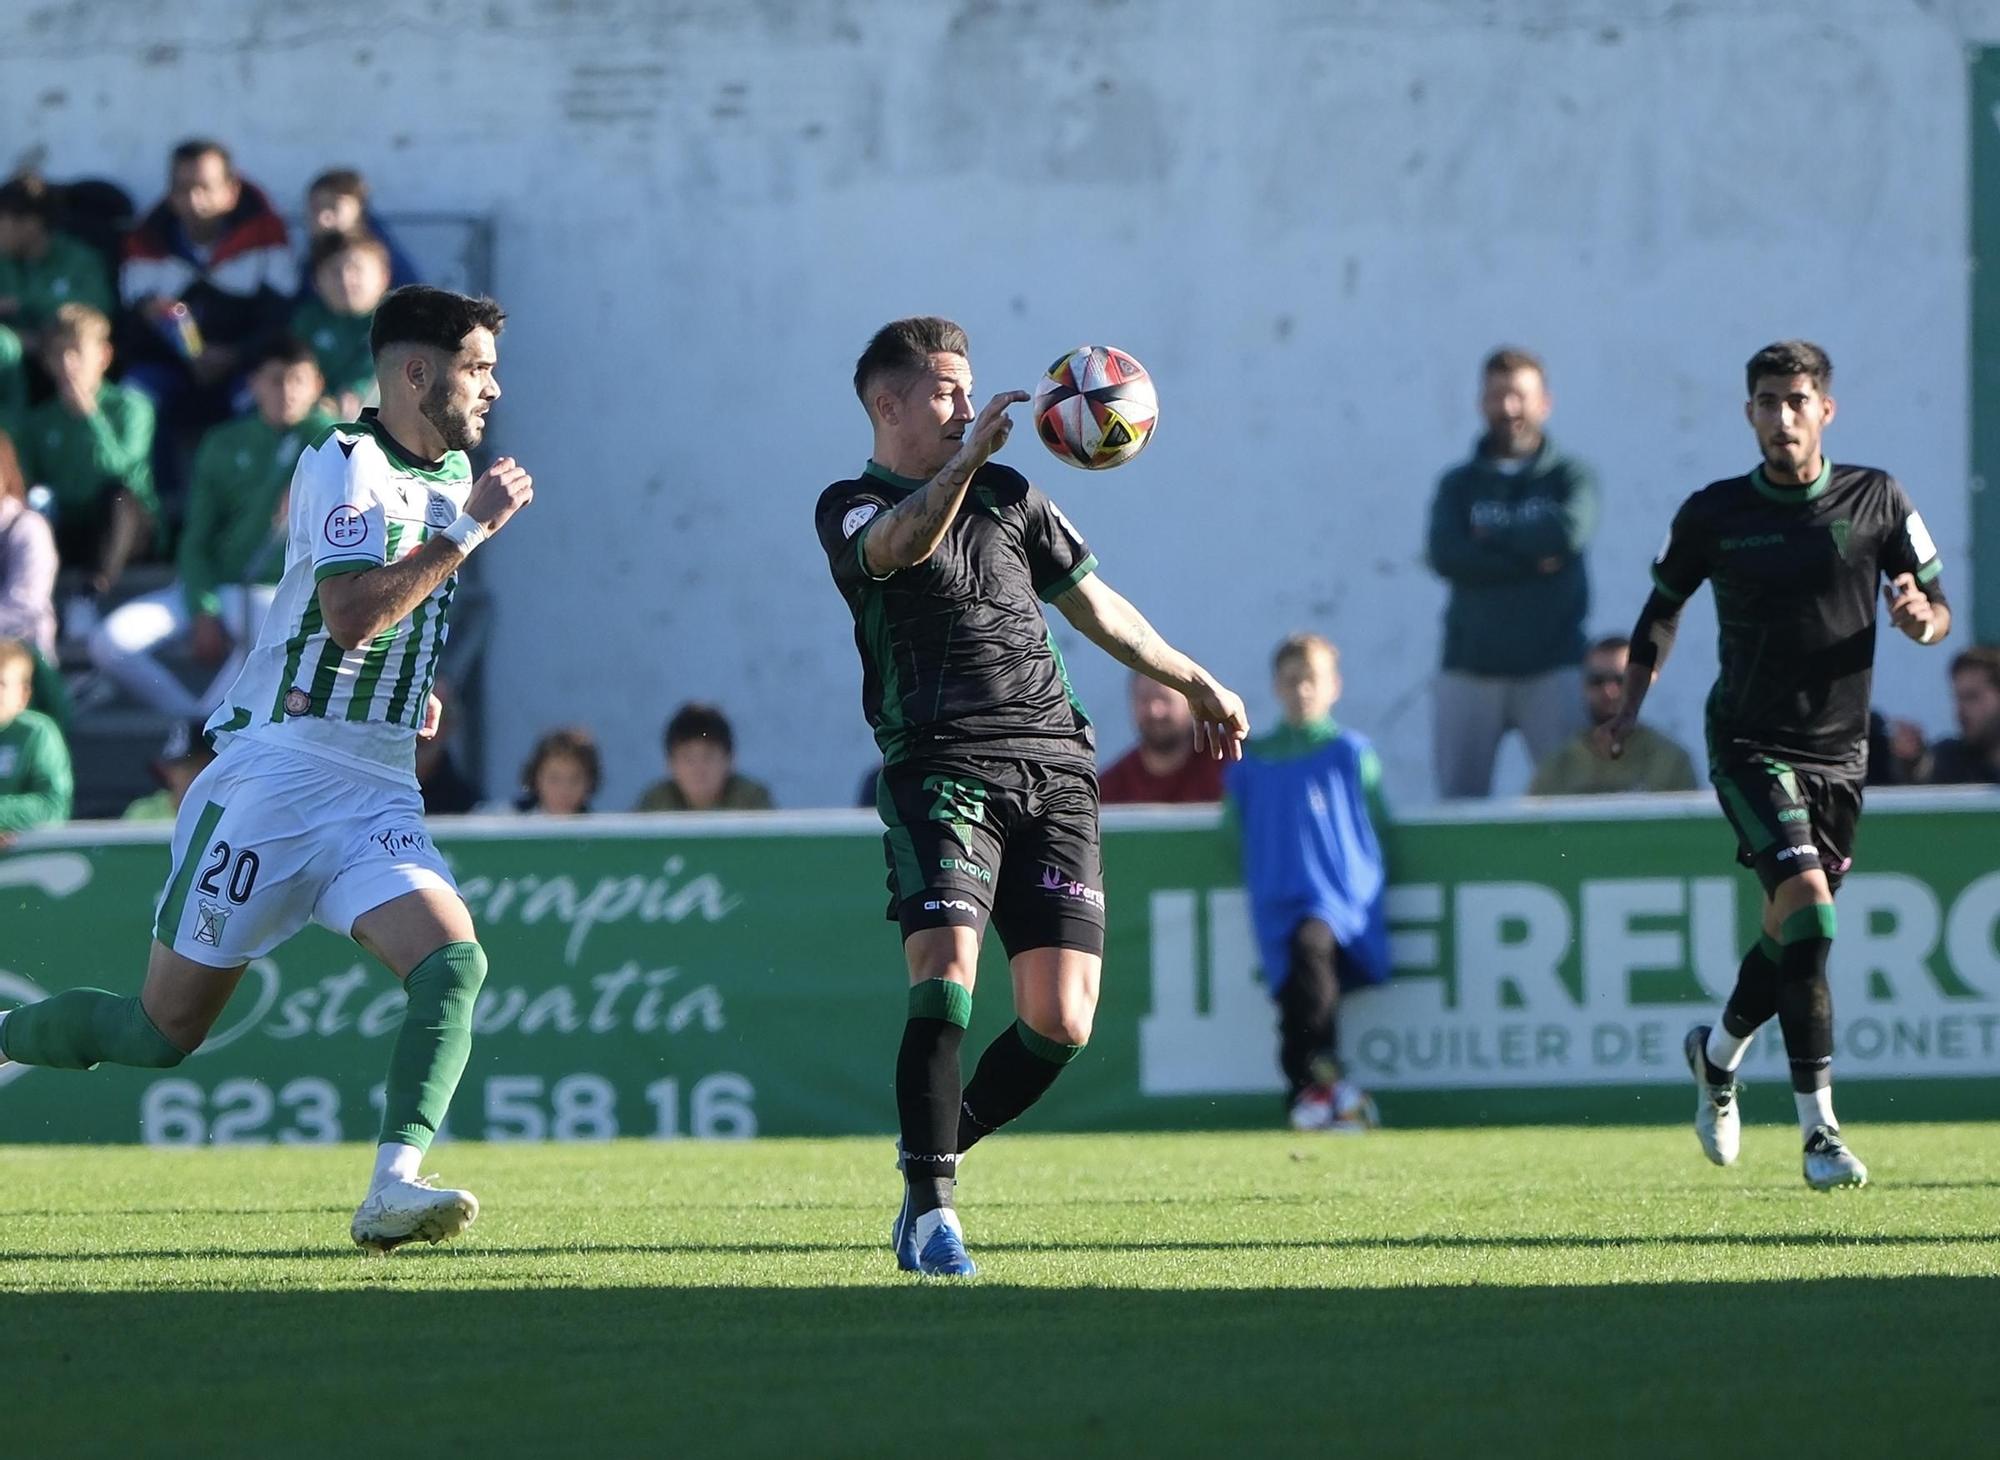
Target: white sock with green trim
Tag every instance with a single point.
(395, 1162)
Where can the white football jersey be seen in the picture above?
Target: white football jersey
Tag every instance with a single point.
(358, 501)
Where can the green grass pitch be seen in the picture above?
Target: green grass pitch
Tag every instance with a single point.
(1481, 1293)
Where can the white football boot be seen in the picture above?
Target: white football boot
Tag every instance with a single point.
(1829, 1163)
(412, 1211)
(1718, 1123)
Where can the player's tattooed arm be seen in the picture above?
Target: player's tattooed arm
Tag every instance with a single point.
(908, 533)
(1109, 620)
(1652, 641)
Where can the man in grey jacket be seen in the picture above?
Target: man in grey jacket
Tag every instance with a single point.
(1507, 533)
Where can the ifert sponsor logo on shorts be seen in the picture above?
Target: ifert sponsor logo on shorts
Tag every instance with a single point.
(1054, 881)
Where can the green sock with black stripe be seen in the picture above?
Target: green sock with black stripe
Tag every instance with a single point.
(1016, 1071)
(81, 1029)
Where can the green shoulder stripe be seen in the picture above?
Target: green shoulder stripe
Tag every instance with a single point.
(1069, 580)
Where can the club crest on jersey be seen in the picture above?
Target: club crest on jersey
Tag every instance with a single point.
(440, 513)
(346, 527)
(297, 701)
(857, 518)
(1842, 531)
(210, 923)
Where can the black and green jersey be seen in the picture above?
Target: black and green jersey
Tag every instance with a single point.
(1797, 572)
(956, 657)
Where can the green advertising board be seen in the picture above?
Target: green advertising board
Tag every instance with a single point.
(724, 977)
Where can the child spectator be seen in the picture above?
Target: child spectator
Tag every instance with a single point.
(701, 767)
(91, 446)
(40, 271)
(27, 562)
(562, 774)
(337, 201)
(1306, 803)
(232, 550)
(350, 274)
(186, 755)
(34, 762)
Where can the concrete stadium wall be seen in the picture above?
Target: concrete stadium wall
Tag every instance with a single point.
(1308, 219)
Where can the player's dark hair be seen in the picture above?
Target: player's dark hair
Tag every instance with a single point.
(1979, 659)
(1299, 646)
(1611, 644)
(343, 182)
(904, 347)
(286, 350)
(698, 721)
(572, 742)
(27, 196)
(421, 314)
(1786, 359)
(196, 148)
(1509, 358)
(332, 245)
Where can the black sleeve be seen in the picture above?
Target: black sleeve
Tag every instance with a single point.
(1058, 557)
(1907, 545)
(1682, 565)
(846, 511)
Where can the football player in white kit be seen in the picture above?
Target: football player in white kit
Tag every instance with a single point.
(310, 811)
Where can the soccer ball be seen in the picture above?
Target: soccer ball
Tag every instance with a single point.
(1095, 407)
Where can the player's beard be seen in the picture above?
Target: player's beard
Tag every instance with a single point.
(460, 429)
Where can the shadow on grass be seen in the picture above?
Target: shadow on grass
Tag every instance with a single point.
(1000, 1370)
(471, 1247)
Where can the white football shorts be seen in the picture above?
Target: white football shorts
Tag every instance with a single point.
(269, 839)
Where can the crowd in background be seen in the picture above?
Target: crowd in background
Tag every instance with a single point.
(160, 376)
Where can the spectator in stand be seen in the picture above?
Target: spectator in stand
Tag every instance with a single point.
(701, 767)
(1507, 533)
(185, 756)
(337, 201)
(1651, 761)
(27, 562)
(1163, 766)
(91, 446)
(1972, 757)
(41, 270)
(34, 763)
(209, 278)
(562, 774)
(447, 791)
(350, 274)
(232, 550)
(1306, 802)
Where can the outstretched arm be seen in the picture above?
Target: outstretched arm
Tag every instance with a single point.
(1105, 618)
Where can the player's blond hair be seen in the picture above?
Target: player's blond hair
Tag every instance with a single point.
(1303, 646)
(79, 324)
